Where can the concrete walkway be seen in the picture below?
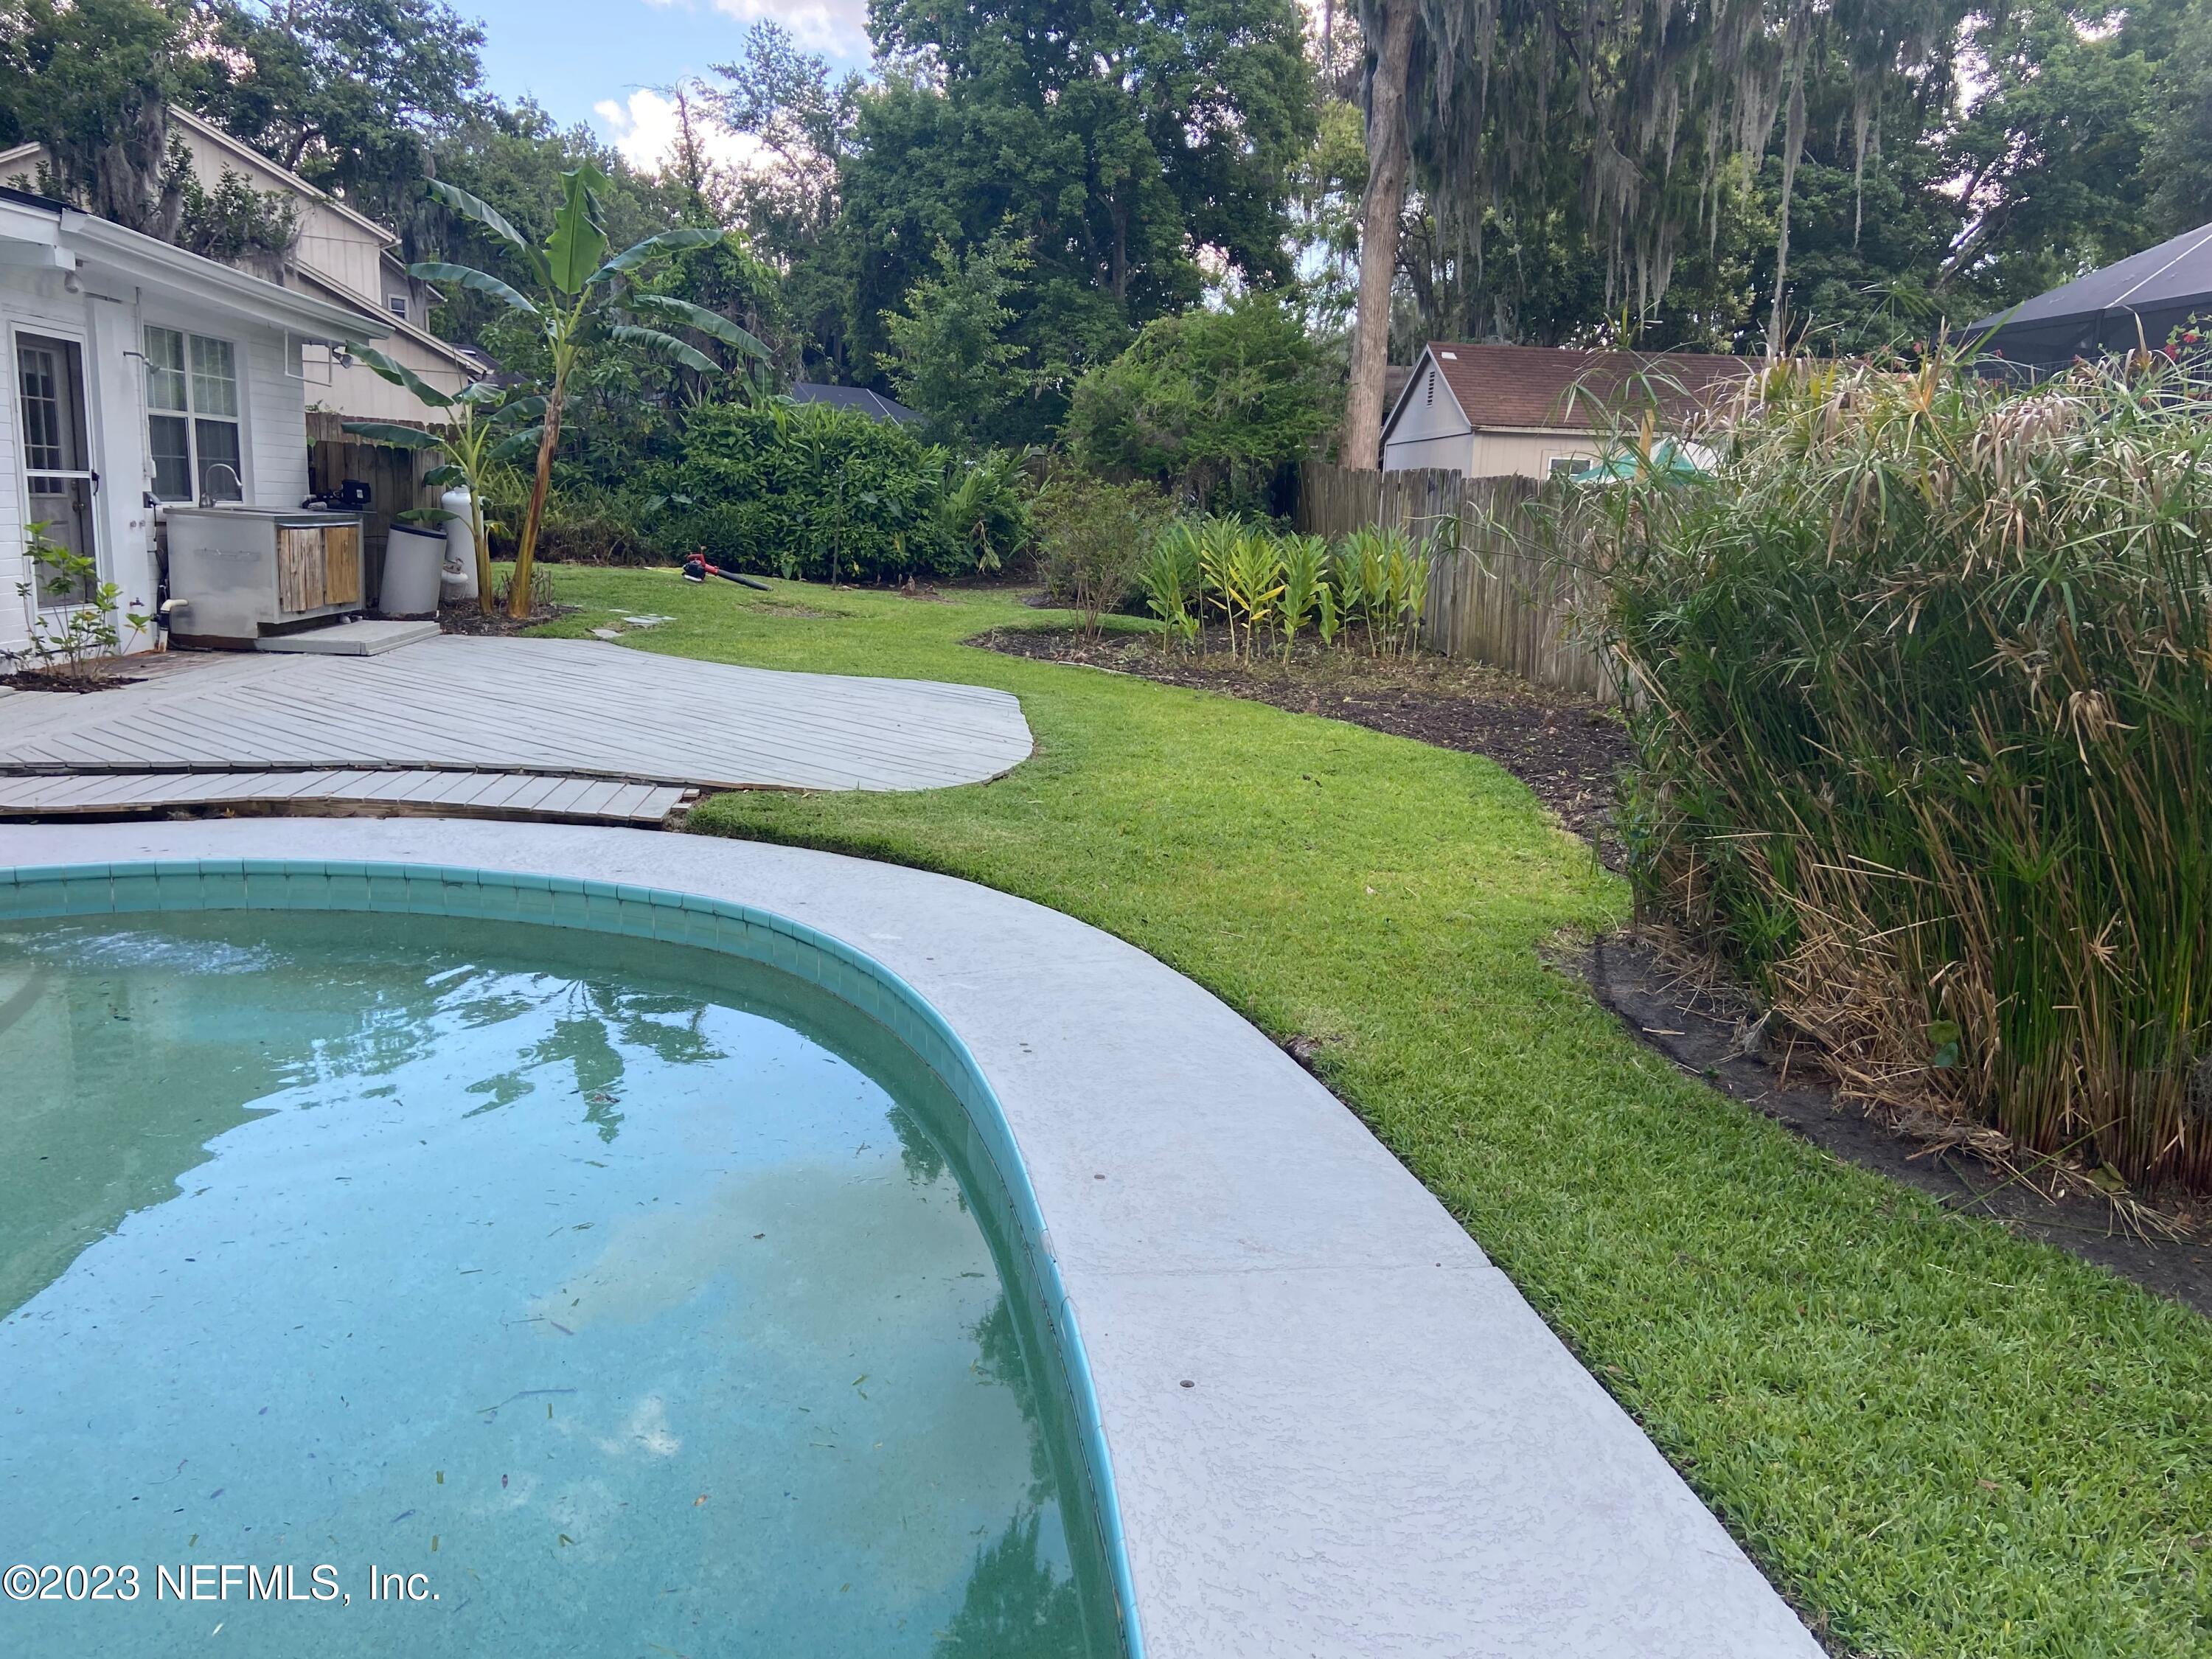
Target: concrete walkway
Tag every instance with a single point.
(500, 709)
(1336, 1430)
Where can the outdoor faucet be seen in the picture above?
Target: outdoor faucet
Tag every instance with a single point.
(207, 483)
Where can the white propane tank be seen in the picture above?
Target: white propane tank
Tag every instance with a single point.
(460, 545)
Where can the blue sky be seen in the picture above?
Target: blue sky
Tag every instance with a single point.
(595, 60)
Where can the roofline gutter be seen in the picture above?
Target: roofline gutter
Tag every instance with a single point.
(316, 320)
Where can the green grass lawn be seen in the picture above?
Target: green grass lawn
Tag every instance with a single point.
(1936, 1439)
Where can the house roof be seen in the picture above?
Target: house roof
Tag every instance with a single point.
(853, 396)
(1552, 389)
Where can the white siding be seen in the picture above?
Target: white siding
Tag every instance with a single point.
(361, 394)
(1527, 453)
(1431, 429)
(277, 424)
(15, 618)
(339, 248)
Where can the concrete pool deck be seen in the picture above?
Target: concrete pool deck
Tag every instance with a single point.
(1335, 1427)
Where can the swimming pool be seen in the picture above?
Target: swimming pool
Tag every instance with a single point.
(494, 1288)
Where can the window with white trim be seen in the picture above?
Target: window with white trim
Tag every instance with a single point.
(191, 416)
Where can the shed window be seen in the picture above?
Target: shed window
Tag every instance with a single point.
(396, 305)
(191, 416)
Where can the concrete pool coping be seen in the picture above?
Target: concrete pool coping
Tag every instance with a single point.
(1331, 1426)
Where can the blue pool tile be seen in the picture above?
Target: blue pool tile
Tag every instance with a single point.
(346, 887)
(141, 890)
(223, 890)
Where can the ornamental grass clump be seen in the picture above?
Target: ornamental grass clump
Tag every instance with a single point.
(1925, 736)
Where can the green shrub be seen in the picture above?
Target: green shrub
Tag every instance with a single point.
(1926, 737)
(828, 493)
(1214, 404)
(1095, 538)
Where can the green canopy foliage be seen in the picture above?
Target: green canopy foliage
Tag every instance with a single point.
(1215, 402)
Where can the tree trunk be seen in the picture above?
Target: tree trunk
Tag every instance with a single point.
(1793, 146)
(484, 552)
(525, 550)
(1379, 210)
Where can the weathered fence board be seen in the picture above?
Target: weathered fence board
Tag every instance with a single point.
(1494, 601)
(394, 477)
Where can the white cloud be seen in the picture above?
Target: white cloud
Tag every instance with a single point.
(644, 128)
(836, 27)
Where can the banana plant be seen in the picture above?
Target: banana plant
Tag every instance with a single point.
(479, 432)
(580, 296)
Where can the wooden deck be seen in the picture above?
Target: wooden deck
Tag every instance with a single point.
(573, 730)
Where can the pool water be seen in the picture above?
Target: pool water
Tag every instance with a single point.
(596, 1295)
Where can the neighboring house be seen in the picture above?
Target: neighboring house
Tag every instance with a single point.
(140, 375)
(1490, 410)
(871, 404)
(340, 256)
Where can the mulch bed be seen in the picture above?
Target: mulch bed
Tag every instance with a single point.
(1568, 753)
(1700, 1030)
(55, 680)
(468, 618)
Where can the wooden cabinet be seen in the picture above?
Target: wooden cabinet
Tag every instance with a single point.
(317, 565)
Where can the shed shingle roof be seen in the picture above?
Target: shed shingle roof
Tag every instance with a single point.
(1550, 387)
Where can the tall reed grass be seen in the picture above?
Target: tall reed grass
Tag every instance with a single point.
(1925, 735)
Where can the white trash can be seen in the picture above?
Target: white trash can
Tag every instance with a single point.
(413, 562)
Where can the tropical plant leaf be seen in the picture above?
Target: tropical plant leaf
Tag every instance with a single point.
(522, 409)
(698, 317)
(390, 432)
(516, 445)
(436, 270)
(577, 245)
(668, 241)
(476, 207)
(399, 374)
(666, 345)
(447, 474)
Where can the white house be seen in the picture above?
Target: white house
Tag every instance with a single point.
(340, 255)
(1490, 411)
(142, 375)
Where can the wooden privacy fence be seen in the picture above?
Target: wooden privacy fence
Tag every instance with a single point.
(394, 477)
(1495, 601)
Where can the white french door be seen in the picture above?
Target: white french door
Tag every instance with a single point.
(58, 473)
